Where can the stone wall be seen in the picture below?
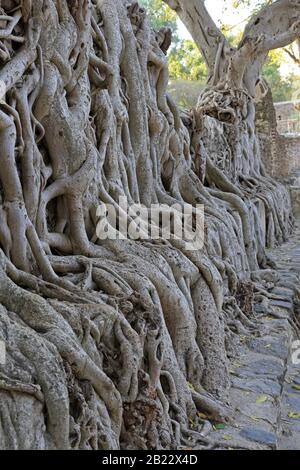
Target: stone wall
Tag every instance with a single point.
(287, 110)
(288, 117)
(292, 145)
(295, 200)
(275, 155)
(273, 148)
(280, 153)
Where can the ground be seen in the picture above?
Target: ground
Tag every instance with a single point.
(265, 393)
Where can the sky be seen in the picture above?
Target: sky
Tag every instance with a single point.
(232, 16)
(220, 15)
(237, 17)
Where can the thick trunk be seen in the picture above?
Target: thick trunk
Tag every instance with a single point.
(117, 343)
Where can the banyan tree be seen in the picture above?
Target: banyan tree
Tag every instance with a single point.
(121, 343)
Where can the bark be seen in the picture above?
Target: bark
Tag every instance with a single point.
(121, 343)
(275, 26)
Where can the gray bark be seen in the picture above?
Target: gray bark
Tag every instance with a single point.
(121, 343)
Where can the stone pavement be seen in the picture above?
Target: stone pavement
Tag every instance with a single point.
(265, 393)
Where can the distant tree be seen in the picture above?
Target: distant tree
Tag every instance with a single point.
(282, 88)
(186, 62)
(292, 50)
(161, 16)
(185, 92)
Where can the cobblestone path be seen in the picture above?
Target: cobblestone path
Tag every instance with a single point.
(265, 393)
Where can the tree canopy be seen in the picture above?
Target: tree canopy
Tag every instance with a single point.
(187, 64)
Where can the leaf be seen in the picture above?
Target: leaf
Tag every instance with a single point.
(191, 386)
(261, 399)
(226, 437)
(191, 422)
(237, 364)
(220, 426)
(296, 387)
(294, 415)
(202, 415)
(254, 418)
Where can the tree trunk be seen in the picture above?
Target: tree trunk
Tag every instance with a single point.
(118, 343)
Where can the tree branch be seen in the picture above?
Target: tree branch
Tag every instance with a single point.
(276, 25)
(204, 31)
(292, 55)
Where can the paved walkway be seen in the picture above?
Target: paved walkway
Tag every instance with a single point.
(265, 390)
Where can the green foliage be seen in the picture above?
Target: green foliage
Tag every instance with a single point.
(185, 92)
(232, 38)
(282, 88)
(186, 62)
(255, 5)
(187, 68)
(160, 15)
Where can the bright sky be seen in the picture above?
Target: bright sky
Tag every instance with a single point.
(220, 15)
(235, 17)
